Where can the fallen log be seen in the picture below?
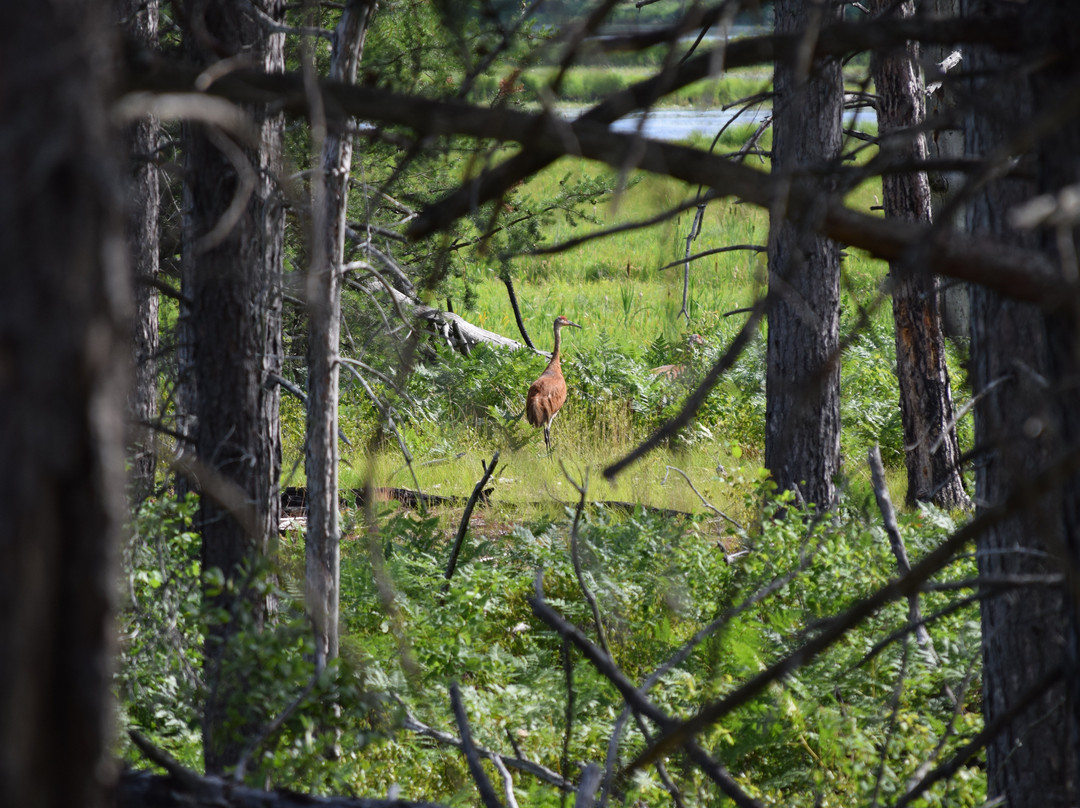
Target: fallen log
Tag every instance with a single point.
(294, 501)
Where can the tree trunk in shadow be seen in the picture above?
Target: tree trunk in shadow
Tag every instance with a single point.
(232, 253)
(64, 335)
(802, 410)
(1032, 762)
(931, 450)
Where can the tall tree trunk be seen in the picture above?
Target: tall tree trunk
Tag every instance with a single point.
(946, 142)
(931, 450)
(63, 335)
(139, 19)
(802, 409)
(1058, 172)
(329, 204)
(1031, 762)
(233, 239)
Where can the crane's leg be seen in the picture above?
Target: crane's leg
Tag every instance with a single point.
(547, 436)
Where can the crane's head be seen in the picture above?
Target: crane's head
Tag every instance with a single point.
(560, 321)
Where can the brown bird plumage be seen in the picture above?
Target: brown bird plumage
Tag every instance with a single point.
(548, 393)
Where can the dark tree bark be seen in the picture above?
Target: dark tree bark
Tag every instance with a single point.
(945, 141)
(329, 203)
(233, 232)
(931, 450)
(802, 410)
(139, 20)
(1032, 762)
(63, 336)
(1058, 173)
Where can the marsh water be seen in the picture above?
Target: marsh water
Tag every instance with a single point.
(677, 124)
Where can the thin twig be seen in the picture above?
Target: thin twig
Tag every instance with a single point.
(695, 230)
(896, 542)
(189, 781)
(969, 750)
(463, 526)
(704, 501)
(483, 785)
(894, 710)
(522, 764)
(759, 248)
(274, 726)
(567, 656)
(640, 224)
(575, 557)
(960, 413)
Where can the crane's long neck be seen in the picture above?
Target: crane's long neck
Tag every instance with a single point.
(555, 358)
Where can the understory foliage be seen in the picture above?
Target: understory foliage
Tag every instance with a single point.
(483, 393)
(859, 720)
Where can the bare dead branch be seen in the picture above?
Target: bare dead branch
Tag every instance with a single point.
(896, 543)
(1021, 274)
(188, 780)
(213, 110)
(463, 527)
(520, 763)
(894, 709)
(215, 486)
(659, 218)
(833, 40)
(566, 655)
(704, 501)
(758, 248)
(509, 283)
(245, 187)
(183, 788)
(483, 785)
(270, 729)
(695, 230)
(996, 583)
(587, 786)
(908, 628)
(575, 556)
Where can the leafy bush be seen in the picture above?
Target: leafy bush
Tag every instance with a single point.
(820, 736)
(870, 395)
(159, 674)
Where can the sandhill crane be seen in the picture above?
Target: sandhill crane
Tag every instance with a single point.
(548, 393)
(674, 371)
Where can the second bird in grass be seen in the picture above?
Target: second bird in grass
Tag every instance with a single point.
(548, 393)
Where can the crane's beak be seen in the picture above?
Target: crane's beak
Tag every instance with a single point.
(575, 325)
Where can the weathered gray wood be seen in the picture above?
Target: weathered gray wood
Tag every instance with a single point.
(896, 544)
(444, 322)
(145, 790)
(329, 206)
